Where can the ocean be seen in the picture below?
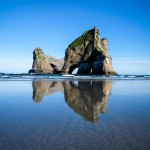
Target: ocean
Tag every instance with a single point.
(74, 112)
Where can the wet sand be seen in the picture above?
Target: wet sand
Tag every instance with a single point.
(72, 114)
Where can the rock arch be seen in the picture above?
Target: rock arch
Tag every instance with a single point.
(90, 54)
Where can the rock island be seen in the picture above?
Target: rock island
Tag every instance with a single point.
(89, 53)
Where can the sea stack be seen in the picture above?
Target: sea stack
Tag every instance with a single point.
(89, 53)
(43, 64)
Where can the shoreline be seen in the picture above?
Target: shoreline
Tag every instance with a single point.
(4, 77)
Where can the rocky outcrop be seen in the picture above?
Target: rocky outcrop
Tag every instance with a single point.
(90, 54)
(43, 64)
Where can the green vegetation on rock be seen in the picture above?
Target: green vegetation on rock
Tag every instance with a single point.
(87, 36)
(88, 52)
(77, 42)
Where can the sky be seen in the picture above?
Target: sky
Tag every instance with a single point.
(53, 25)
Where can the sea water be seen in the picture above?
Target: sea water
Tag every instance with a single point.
(76, 77)
(88, 112)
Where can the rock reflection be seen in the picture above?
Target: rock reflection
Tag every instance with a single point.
(43, 88)
(87, 98)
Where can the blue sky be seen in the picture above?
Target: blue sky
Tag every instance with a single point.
(53, 25)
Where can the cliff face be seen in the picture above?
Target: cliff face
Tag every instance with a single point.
(90, 54)
(43, 64)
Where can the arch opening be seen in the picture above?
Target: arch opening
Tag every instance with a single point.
(73, 70)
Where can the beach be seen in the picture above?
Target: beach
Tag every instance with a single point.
(74, 114)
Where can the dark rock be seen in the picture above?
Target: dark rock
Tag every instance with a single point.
(90, 54)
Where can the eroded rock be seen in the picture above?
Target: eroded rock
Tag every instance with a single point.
(43, 64)
(90, 54)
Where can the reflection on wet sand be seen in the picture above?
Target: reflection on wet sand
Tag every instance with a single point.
(43, 88)
(87, 98)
